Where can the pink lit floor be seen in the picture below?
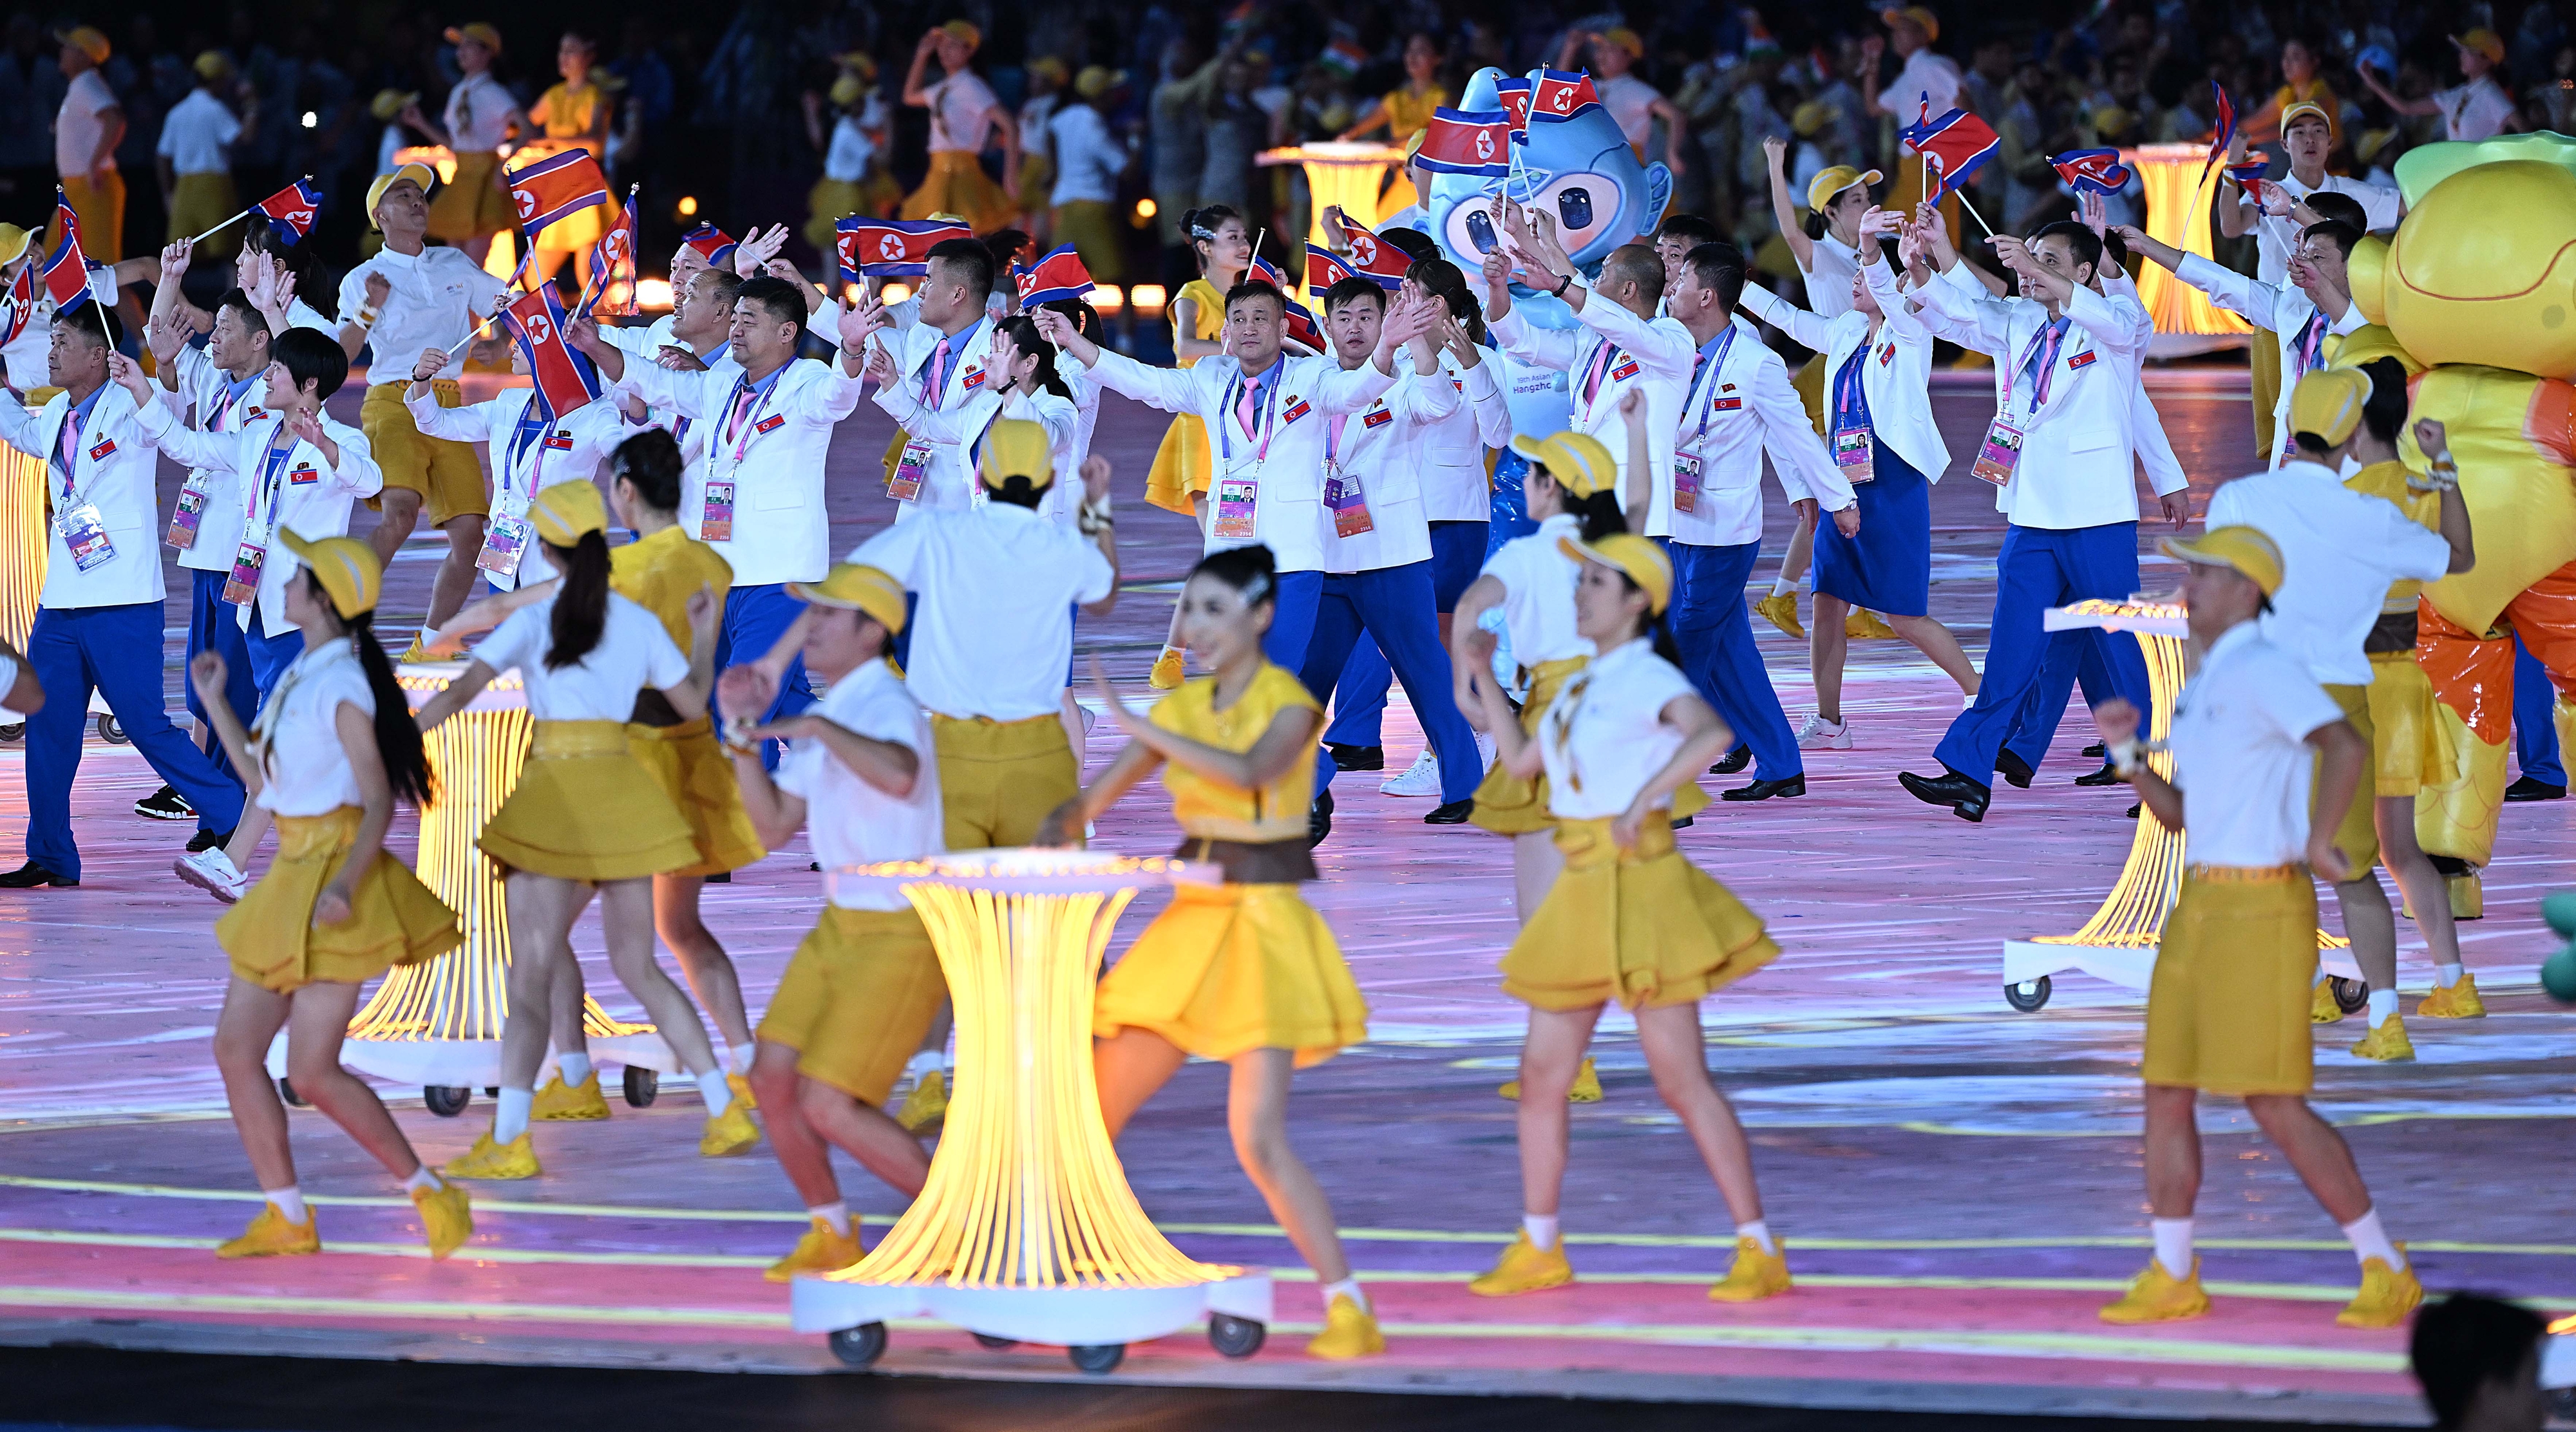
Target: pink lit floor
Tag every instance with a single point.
(1959, 1184)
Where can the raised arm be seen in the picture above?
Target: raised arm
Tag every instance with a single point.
(1784, 211)
(1803, 327)
(160, 427)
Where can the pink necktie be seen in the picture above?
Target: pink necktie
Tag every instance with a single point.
(69, 442)
(938, 375)
(1600, 365)
(1247, 409)
(1334, 445)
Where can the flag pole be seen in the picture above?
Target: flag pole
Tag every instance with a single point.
(219, 228)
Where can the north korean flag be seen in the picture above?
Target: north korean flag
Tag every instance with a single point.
(1057, 276)
(557, 188)
(22, 304)
(1514, 96)
(1954, 145)
(612, 263)
(1299, 320)
(291, 210)
(1463, 141)
(1324, 269)
(713, 244)
(2225, 133)
(2096, 171)
(892, 248)
(66, 271)
(1560, 95)
(2249, 177)
(564, 378)
(1375, 258)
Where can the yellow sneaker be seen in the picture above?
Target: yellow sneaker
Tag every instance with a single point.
(927, 1104)
(270, 1235)
(1756, 1274)
(1168, 673)
(727, 1133)
(569, 1102)
(413, 653)
(2460, 1001)
(1781, 610)
(446, 1216)
(2322, 1008)
(820, 1251)
(1525, 1268)
(740, 1084)
(2387, 1295)
(1349, 1331)
(2387, 1043)
(515, 1159)
(2156, 1296)
(1586, 1088)
(1862, 625)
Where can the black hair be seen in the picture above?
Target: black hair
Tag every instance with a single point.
(1639, 264)
(1690, 228)
(94, 321)
(968, 261)
(311, 356)
(1414, 244)
(650, 463)
(245, 312)
(1086, 319)
(295, 257)
(1351, 290)
(1444, 281)
(2327, 204)
(1199, 226)
(780, 299)
(2466, 1342)
(2112, 244)
(398, 742)
(1600, 513)
(1022, 330)
(1253, 571)
(1256, 288)
(2346, 237)
(1659, 627)
(2384, 411)
(581, 603)
(1004, 246)
(728, 283)
(2086, 243)
(1720, 268)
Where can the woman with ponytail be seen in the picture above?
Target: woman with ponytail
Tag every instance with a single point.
(333, 747)
(1628, 918)
(1178, 481)
(587, 815)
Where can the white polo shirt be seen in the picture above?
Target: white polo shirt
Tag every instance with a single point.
(1088, 157)
(304, 769)
(993, 636)
(2241, 759)
(961, 116)
(197, 134)
(1604, 736)
(634, 654)
(1538, 593)
(2339, 551)
(2474, 111)
(77, 126)
(478, 114)
(849, 821)
(438, 296)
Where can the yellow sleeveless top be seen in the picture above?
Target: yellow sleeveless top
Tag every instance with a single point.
(1219, 811)
(1211, 315)
(1406, 115)
(573, 113)
(659, 572)
(2388, 480)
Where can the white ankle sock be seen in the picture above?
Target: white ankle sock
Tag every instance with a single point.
(928, 1061)
(713, 1088)
(1541, 1228)
(2173, 1244)
(1782, 586)
(2369, 1240)
(512, 1119)
(1347, 1288)
(1760, 1232)
(2446, 975)
(835, 1214)
(289, 1201)
(423, 1177)
(737, 1058)
(575, 1068)
(2383, 1003)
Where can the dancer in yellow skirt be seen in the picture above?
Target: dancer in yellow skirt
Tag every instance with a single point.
(334, 746)
(587, 816)
(1628, 919)
(1245, 972)
(1178, 481)
(963, 112)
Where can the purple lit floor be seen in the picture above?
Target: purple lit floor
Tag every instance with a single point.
(1959, 1183)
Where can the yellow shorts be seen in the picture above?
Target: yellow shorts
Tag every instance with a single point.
(393, 918)
(2227, 1011)
(2357, 834)
(2410, 743)
(1642, 926)
(857, 998)
(201, 201)
(445, 474)
(586, 809)
(1091, 226)
(998, 780)
(472, 204)
(1228, 969)
(695, 773)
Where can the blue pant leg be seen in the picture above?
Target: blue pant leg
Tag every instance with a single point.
(211, 627)
(1359, 697)
(2535, 719)
(121, 646)
(54, 737)
(2101, 564)
(754, 618)
(1292, 622)
(2028, 581)
(1336, 638)
(1715, 632)
(270, 654)
(1396, 604)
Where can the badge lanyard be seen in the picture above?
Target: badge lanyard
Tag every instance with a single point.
(1604, 364)
(532, 428)
(742, 423)
(1716, 363)
(272, 474)
(1265, 420)
(79, 434)
(1853, 452)
(2055, 337)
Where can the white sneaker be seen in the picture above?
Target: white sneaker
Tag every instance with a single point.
(1820, 734)
(1422, 778)
(213, 872)
(1484, 751)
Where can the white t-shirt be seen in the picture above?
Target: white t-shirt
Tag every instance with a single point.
(847, 160)
(478, 114)
(2340, 549)
(77, 126)
(961, 113)
(2275, 238)
(634, 653)
(195, 135)
(1829, 279)
(1926, 78)
(2474, 111)
(2241, 761)
(849, 821)
(1538, 593)
(437, 295)
(1604, 736)
(1088, 158)
(993, 636)
(304, 769)
(1630, 101)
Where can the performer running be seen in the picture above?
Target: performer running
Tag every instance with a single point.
(1628, 919)
(865, 985)
(587, 816)
(1244, 972)
(1178, 480)
(2227, 1013)
(332, 750)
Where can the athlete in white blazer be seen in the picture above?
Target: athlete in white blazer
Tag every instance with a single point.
(941, 357)
(526, 453)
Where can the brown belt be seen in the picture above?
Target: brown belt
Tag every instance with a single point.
(2394, 631)
(1271, 862)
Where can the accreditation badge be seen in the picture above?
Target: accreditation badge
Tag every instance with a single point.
(1237, 499)
(717, 524)
(910, 471)
(505, 542)
(1999, 454)
(1853, 454)
(242, 588)
(1350, 507)
(1686, 482)
(186, 514)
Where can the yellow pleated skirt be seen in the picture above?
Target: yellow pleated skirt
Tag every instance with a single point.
(1642, 926)
(693, 771)
(957, 184)
(1182, 465)
(1507, 804)
(2411, 747)
(587, 809)
(1228, 969)
(832, 200)
(393, 918)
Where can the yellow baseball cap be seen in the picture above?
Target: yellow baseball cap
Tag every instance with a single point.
(1830, 183)
(478, 32)
(1930, 23)
(391, 102)
(848, 90)
(1016, 447)
(2486, 42)
(1098, 80)
(964, 32)
(419, 174)
(2328, 403)
(13, 242)
(1626, 39)
(857, 62)
(1576, 461)
(2241, 549)
(567, 511)
(852, 587)
(1049, 66)
(87, 40)
(2304, 108)
(346, 567)
(212, 65)
(1643, 561)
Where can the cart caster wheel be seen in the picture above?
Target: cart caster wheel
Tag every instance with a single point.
(12, 733)
(861, 1346)
(111, 730)
(643, 1086)
(1098, 1358)
(2350, 995)
(996, 1344)
(2028, 995)
(447, 1100)
(1234, 1337)
(287, 1092)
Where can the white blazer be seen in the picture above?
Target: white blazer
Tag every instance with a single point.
(2282, 310)
(1384, 446)
(949, 484)
(311, 497)
(573, 449)
(1737, 410)
(781, 532)
(113, 467)
(1288, 505)
(1455, 484)
(1654, 355)
(1896, 378)
(205, 387)
(960, 428)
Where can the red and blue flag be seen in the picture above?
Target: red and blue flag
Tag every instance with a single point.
(1374, 258)
(1559, 95)
(1298, 320)
(612, 262)
(1467, 141)
(1954, 146)
(1324, 268)
(290, 211)
(555, 189)
(2094, 171)
(713, 244)
(66, 270)
(2249, 177)
(892, 248)
(22, 304)
(2224, 135)
(1513, 94)
(565, 380)
(1057, 277)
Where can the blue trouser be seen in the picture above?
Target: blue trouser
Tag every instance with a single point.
(116, 651)
(1393, 604)
(2040, 568)
(1715, 633)
(270, 655)
(754, 619)
(1457, 555)
(212, 627)
(1292, 621)
(2076, 664)
(2535, 719)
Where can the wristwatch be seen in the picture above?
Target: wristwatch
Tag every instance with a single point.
(1562, 285)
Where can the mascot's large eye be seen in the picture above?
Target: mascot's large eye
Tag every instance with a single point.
(1574, 208)
(1480, 230)
(1586, 205)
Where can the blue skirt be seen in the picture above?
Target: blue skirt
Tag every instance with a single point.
(1888, 567)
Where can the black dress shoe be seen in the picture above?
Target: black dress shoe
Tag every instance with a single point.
(1967, 799)
(31, 875)
(721, 877)
(1732, 762)
(2532, 788)
(2013, 768)
(165, 804)
(207, 840)
(1685, 822)
(2098, 751)
(1451, 812)
(1319, 820)
(2134, 808)
(1356, 758)
(2109, 775)
(1765, 790)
